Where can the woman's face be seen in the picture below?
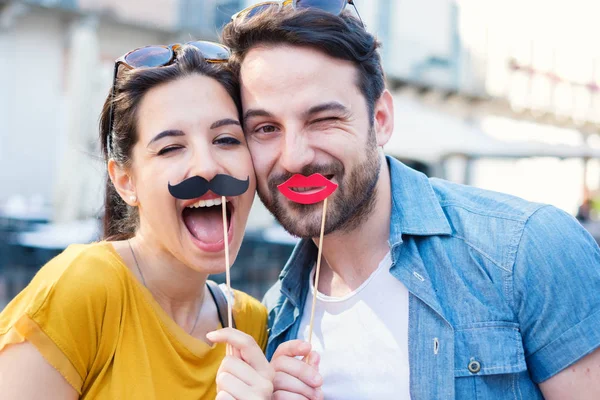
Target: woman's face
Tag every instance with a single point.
(188, 128)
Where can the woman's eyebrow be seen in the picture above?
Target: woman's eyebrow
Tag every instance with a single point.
(224, 122)
(167, 133)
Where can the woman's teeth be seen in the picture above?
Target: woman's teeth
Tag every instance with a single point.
(207, 203)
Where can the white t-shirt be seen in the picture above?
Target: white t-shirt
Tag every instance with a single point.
(362, 338)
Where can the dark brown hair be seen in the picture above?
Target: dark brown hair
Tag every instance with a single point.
(342, 37)
(120, 220)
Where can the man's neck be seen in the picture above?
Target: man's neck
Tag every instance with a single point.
(349, 258)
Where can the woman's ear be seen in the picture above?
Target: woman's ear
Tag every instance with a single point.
(123, 182)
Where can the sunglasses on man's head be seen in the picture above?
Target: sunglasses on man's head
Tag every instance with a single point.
(335, 7)
(161, 56)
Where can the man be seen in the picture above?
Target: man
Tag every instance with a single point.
(428, 289)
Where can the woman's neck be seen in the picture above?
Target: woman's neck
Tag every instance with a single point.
(177, 288)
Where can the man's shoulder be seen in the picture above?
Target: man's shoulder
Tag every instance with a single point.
(487, 222)
(459, 200)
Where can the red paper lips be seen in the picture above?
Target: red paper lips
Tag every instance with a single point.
(317, 188)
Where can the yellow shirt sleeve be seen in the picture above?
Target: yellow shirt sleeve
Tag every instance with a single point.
(63, 310)
(251, 317)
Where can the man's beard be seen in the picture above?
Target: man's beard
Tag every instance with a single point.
(352, 202)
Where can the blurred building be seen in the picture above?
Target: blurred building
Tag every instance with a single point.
(501, 95)
(494, 81)
(50, 48)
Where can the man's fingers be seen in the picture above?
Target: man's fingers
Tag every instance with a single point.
(247, 346)
(313, 359)
(285, 383)
(298, 369)
(292, 348)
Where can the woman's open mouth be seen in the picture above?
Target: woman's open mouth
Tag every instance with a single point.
(204, 220)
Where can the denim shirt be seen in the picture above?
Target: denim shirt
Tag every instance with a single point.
(504, 293)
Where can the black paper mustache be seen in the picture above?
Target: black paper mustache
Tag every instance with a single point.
(197, 186)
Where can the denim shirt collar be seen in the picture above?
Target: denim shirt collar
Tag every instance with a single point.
(415, 211)
(415, 207)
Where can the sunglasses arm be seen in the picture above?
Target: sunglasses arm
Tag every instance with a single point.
(110, 111)
(351, 2)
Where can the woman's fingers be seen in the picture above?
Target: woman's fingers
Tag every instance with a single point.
(224, 396)
(246, 374)
(232, 385)
(232, 351)
(241, 381)
(282, 395)
(239, 368)
(249, 350)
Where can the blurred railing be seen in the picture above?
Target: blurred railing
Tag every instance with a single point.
(28, 241)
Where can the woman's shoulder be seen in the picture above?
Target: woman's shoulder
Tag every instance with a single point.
(250, 316)
(66, 308)
(92, 259)
(81, 274)
(84, 267)
(248, 305)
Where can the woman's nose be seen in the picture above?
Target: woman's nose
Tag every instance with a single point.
(203, 163)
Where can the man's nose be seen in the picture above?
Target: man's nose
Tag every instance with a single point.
(296, 153)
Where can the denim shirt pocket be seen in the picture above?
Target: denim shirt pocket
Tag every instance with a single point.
(489, 361)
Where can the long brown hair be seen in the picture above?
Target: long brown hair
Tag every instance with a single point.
(121, 220)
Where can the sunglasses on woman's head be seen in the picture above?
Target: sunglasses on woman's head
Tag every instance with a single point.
(161, 56)
(335, 7)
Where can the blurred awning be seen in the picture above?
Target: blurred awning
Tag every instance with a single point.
(426, 133)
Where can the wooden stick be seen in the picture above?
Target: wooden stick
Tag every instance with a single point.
(312, 313)
(227, 274)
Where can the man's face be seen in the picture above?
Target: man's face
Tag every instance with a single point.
(304, 114)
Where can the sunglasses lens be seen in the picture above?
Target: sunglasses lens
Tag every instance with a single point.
(151, 56)
(331, 6)
(211, 51)
(252, 11)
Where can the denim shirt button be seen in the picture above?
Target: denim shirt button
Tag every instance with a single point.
(474, 366)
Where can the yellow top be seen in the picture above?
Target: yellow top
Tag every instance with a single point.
(103, 331)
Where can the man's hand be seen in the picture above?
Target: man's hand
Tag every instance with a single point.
(245, 375)
(296, 379)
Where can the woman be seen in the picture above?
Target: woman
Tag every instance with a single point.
(128, 317)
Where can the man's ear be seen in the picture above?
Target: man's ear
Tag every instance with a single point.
(123, 182)
(384, 118)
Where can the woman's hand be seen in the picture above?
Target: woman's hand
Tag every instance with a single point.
(245, 375)
(296, 379)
